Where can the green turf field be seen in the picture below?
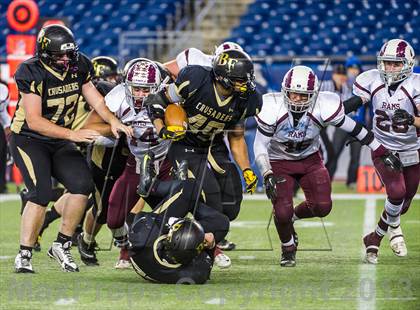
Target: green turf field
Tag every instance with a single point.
(334, 279)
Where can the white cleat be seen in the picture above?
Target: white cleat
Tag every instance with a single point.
(61, 253)
(371, 258)
(396, 241)
(123, 264)
(222, 261)
(23, 262)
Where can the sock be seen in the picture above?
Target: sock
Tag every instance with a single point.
(393, 211)
(24, 247)
(61, 238)
(289, 243)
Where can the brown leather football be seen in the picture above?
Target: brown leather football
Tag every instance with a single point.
(175, 118)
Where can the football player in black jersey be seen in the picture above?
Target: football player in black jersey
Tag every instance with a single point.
(104, 76)
(50, 85)
(165, 246)
(215, 99)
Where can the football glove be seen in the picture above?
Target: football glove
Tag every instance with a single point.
(388, 158)
(171, 135)
(251, 180)
(270, 183)
(402, 117)
(155, 106)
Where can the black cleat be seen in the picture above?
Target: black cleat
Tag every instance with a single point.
(147, 174)
(288, 256)
(87, 252)
(226, 245)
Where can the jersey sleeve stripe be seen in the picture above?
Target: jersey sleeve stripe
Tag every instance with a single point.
(315, 120)
(361, 88)
(262, 122)
(125, 112)
(187, 53)
(282, 118)
(377, 89)
(335, 113)
(265, 133)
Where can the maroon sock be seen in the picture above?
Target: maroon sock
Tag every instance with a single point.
(283, 230)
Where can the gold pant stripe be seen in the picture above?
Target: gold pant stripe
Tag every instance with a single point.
(167, 203)
(28, 163)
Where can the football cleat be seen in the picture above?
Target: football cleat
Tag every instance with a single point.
(226, 245)
(372, 242)
(124, 260)
(87, 251)
(37, 245)
(396, 241)
(61, 253)
(221, 260)
(147, 174)
(288, 256)
(23, 262)
(181, 173)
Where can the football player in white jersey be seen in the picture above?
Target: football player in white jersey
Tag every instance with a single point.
(394, 91)
(286, 150)
(225, 170)
(141, 78)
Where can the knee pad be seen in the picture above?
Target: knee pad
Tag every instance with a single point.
(322, 209)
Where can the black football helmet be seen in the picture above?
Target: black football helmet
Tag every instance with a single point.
(53, 42)
(233, 66)
(106, 68)
(184, 241)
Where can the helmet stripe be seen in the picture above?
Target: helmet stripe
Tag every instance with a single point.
(289, 79)
(401, 49)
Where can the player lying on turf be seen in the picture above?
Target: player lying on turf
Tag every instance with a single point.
(286, 149)
(166, 247)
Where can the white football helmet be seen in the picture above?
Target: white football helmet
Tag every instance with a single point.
(227, 46)
(302, 80)
(396, 50)
(141, 73)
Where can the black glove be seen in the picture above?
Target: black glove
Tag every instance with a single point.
(155, 105)
(155, 111)
(388, 158)
(171, 135)
(402, 117)
(270, 183)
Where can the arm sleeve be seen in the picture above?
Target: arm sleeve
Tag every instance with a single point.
(352, 104)
(262, 160)
(359, 132)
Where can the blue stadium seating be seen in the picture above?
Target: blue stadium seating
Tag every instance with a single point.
(326, 27)
(269, 27)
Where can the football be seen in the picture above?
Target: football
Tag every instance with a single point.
(175, 118)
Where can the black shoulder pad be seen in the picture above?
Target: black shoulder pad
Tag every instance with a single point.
(104, 87)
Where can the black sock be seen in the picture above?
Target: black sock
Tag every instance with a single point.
(61, 238)
(24, 247)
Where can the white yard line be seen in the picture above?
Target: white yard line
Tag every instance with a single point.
(367, 279)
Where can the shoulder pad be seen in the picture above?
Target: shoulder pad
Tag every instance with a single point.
(330, 106)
